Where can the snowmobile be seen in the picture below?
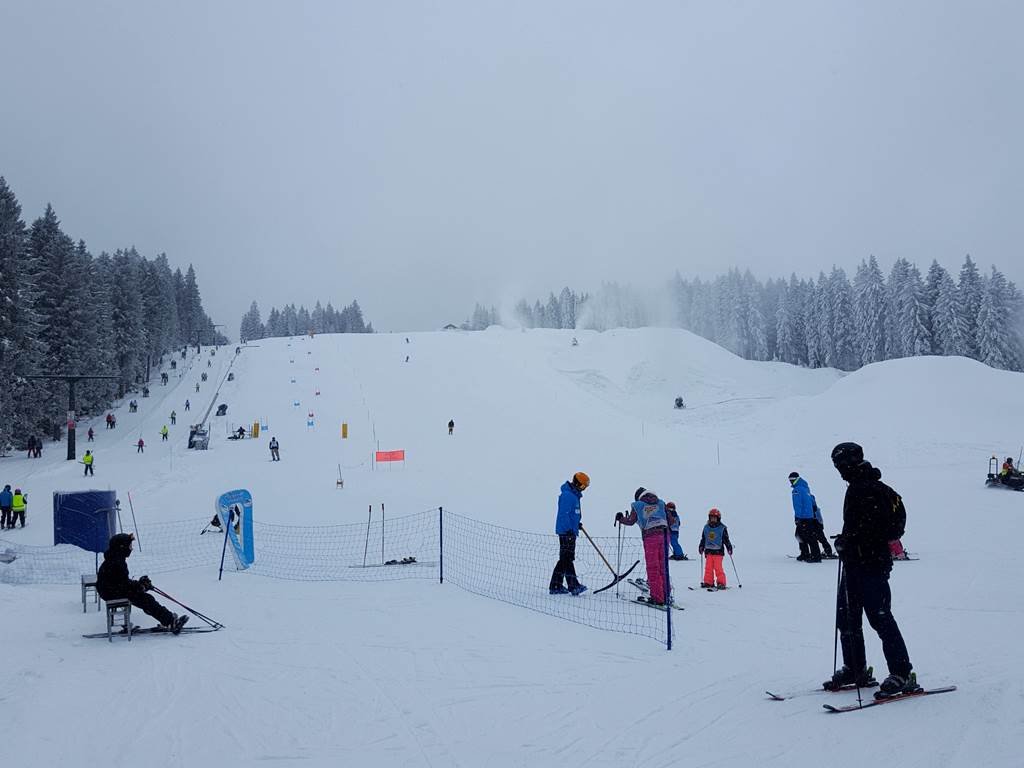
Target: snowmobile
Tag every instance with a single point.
(1012, 482)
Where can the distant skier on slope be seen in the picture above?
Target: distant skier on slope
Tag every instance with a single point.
(673, 528)
(805, 519)
(451, 426)
(873, 515)
(567, 526)
(113, 583)
(275, 449)
(649, 512)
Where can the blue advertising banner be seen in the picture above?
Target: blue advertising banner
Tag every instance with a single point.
(234, 509)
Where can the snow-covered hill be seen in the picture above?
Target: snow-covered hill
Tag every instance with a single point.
(414, 673)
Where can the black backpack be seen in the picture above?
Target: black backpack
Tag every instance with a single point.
(898, 518)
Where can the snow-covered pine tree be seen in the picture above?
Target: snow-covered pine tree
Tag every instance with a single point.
(870, 312)
(251, 327)
(823, 299)
(127, 318)
(995, 342)
(930, 296)
(893, 289)
(947, 320)
(969, 290)
(841, 316)
(912, 314)
(524, 314)
(19, 351)
(753, 344)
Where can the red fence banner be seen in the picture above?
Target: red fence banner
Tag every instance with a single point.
(390, 456)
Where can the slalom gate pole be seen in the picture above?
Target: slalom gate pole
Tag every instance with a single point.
(668, 594)
(738, 583)
(366, 546)
(135, 525)
(193, 611)
(599, 552)
(700, 568)
(382, 534)
(224, 550)
(440, 544)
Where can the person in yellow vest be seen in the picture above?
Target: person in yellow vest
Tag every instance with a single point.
(87, 460)
(164, 432)
(18, 508)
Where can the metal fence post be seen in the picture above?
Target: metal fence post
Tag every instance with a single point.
(440, 544)
(668, 593)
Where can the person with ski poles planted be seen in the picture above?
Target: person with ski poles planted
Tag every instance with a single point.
(714, 540)
(113, 583)
(648, 511)
(673, 528)
(567, 526)
(873, 516)
(804, 519)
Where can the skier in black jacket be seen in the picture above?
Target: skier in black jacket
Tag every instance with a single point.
(112, 583)
(873, 515)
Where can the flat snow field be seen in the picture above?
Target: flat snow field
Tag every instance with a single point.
(414, 673)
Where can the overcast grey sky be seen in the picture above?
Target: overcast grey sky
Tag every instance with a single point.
(420, 156)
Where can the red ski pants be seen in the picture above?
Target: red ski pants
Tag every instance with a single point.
(713, 569)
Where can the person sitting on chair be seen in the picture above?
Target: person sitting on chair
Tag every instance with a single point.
(113, 583)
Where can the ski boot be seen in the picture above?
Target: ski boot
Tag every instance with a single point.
(896, 685)
(178, 623)
(845, 677)
(558, 591)
(578, 590)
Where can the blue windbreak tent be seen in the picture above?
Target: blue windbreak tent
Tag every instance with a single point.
(86, 519)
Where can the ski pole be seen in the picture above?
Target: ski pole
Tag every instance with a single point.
(835, 647)
(193, 611)
(135, 525)
(614, 572)
(738, 584)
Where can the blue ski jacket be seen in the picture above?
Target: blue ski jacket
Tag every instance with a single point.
(568, 520)
(803, 501)
(6, 498)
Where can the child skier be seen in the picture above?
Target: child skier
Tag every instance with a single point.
(673, 527)
(713, 541)
(649, 511)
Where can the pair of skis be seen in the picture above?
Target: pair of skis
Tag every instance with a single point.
(645, 597)
(157, 630)
(865, 704)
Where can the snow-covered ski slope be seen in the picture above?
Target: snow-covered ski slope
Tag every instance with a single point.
(418, 674)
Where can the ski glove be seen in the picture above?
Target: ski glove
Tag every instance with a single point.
(839, 545)
(145, 583)
(730, 551)
(701, 549)
(619, 517)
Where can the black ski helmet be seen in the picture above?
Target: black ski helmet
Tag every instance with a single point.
(639, 492)
(847, 455)
(121, 542)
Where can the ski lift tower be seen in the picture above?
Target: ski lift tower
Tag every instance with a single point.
(72, 380)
